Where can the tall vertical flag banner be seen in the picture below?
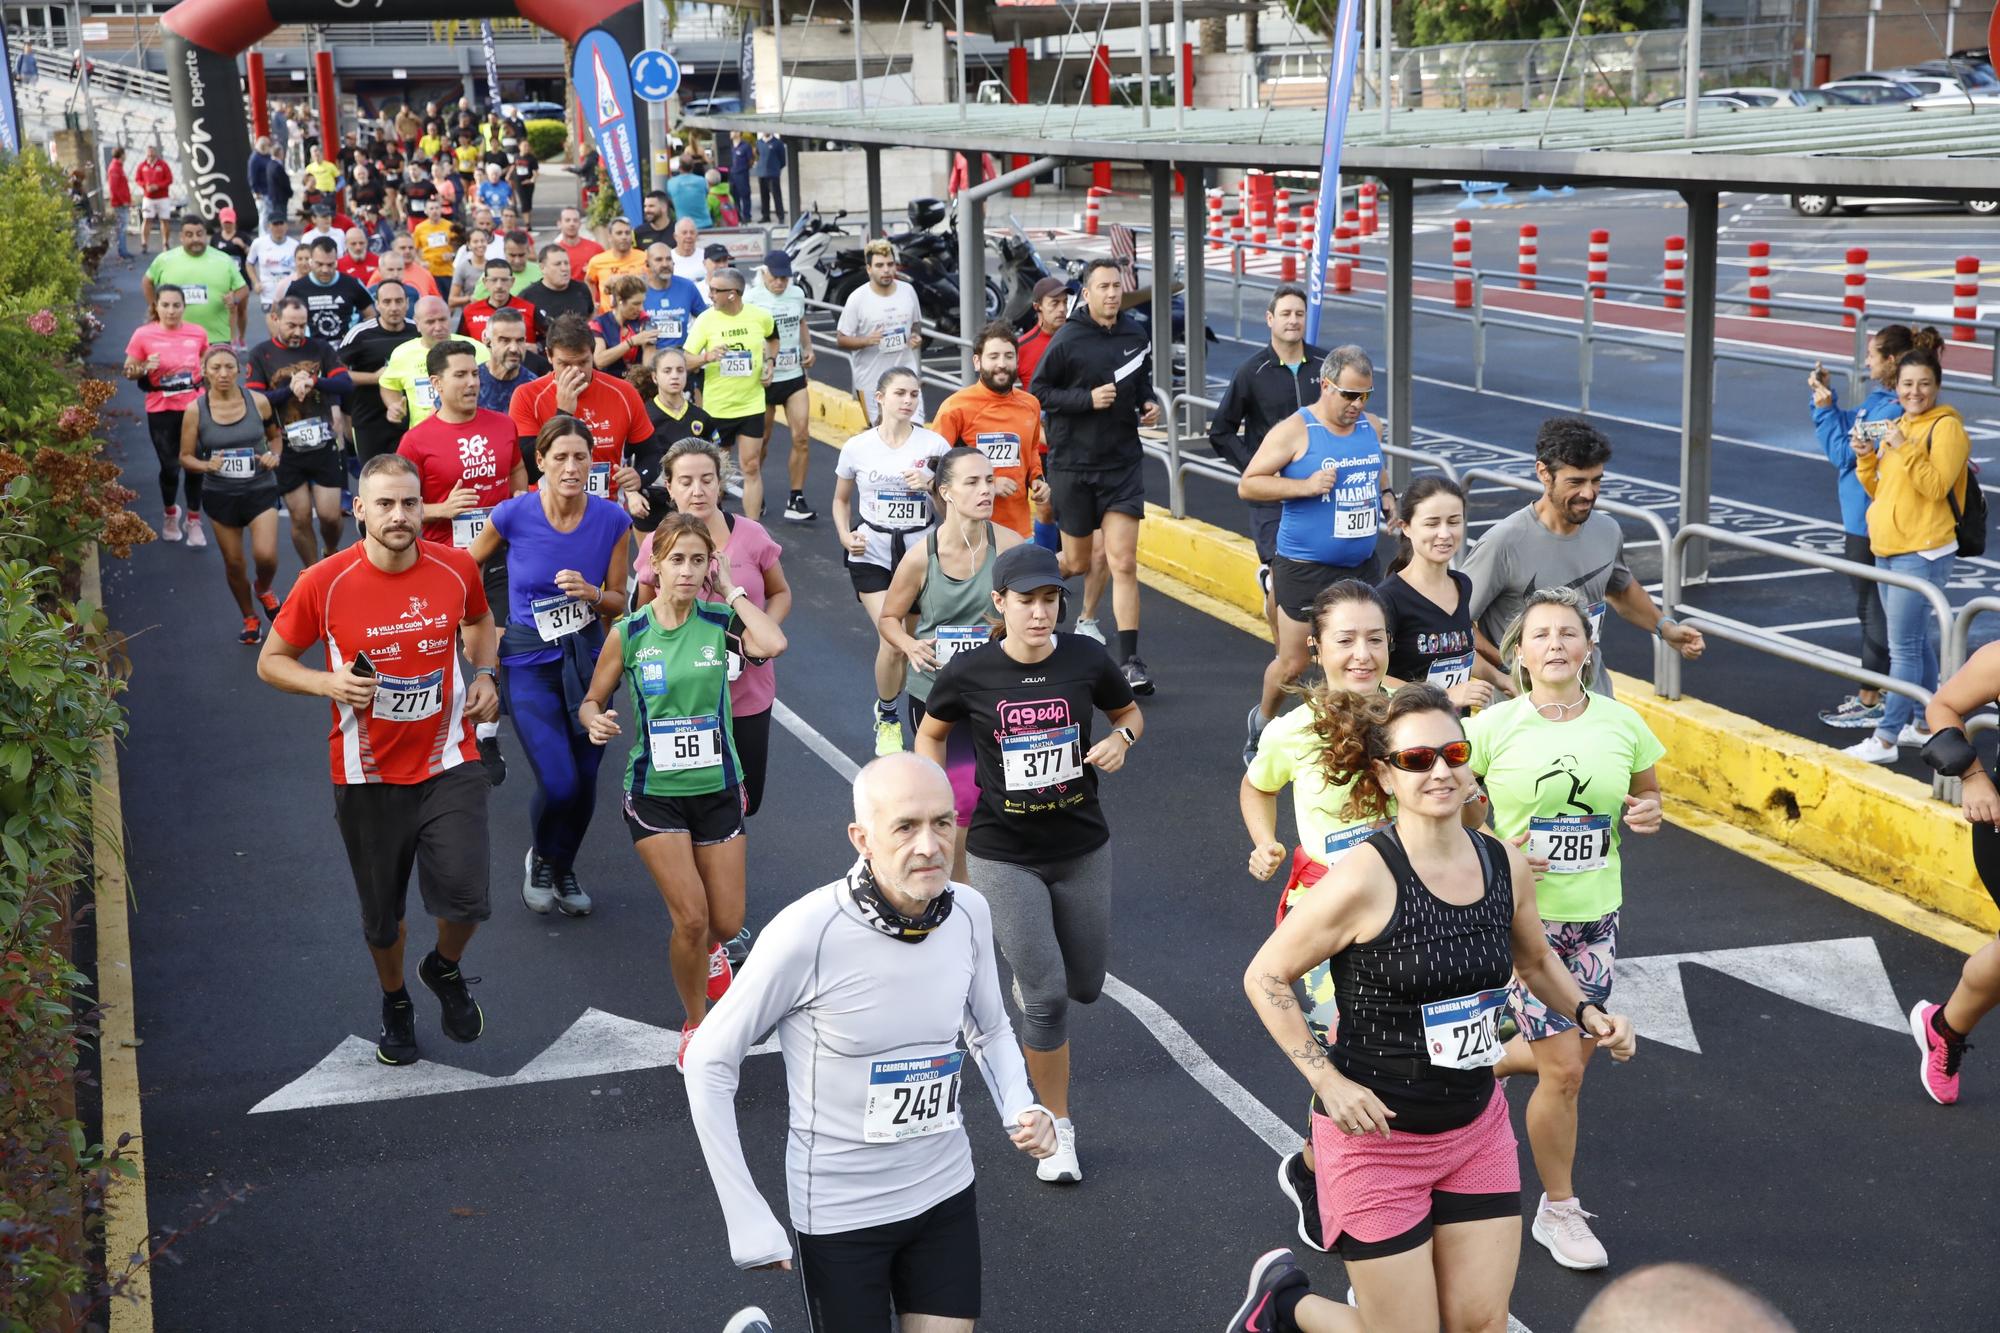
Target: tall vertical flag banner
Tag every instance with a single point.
(1339, 89)
(492, 65)
(602, 78)
(10, 114)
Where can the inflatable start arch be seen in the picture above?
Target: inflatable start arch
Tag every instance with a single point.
(204, 38)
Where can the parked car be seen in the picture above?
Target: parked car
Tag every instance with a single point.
(1871, 92)
(714, 106)
(1820, 205)
(1709, 101)
(1828, 97)
(1975, 74)
(527, 111)
(1956, 101)
(1924, 82)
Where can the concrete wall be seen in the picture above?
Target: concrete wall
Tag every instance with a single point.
(837, 180)
(1902, 36)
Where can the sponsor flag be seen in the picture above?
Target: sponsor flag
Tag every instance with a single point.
(492, 65)
(1339, 89)
(602, 78)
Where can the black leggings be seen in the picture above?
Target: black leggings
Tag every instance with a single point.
(772, 195)
(527, 193)
(753, 752)
(165, 428)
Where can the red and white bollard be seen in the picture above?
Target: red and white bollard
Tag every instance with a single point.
(1461, 258)
(1282, 201)
(1352, 217)
(1598, 270)
(1090, 207)
(1343, 265)
(1309, 219)
(1260, 237)
(1368, 214)
(1526, 256)
(1965, 298)
(1288, 241)
(1236, 243)
(1215, 218)
(1760, 279)
(1854, 287)
(1675, 281)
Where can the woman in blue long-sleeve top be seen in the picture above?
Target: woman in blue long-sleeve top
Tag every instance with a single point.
(1834, 427)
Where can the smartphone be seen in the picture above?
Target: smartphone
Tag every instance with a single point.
(1819, 373)
(361, 666)
(1873, 431)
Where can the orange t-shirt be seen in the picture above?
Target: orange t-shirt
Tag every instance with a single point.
(605, 266)
(1007, 428)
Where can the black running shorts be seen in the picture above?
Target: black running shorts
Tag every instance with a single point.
(326, 467)
(706, 820)
(1082, 499)
(438, 826)
(927, 1264)
(1295, 583)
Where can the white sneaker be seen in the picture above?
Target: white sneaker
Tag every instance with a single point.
(196, 537)
(170, 529)
(1089, 630)
(1060, 1167)
(1911, 736)
(1563, 1232)
(1872, 749)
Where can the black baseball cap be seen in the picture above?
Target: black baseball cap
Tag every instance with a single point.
(715, 250)
(1025, 568)
(778, 264)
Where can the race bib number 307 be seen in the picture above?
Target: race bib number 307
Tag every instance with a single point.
(908, 1099)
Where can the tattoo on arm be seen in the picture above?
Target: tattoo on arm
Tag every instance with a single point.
(1312, 1056)
(1277, 993)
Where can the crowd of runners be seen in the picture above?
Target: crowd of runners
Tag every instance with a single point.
(552, 451)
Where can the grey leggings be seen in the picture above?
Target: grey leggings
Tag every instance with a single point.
(1053, 924)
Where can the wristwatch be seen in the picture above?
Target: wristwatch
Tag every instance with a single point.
(1131, 736)
(734, 593)
(1588, 1004)
(1659, 629)
(486, 671)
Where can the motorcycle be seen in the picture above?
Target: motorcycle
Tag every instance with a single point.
(1027, 267)
(825, 256)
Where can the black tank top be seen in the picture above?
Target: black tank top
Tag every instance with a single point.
(1431, 950)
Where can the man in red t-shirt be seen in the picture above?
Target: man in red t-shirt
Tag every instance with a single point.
(154, 177)
(1051, 307)
(408, 787)
(465, 456)
(357, 261)
(579, 248)
(608, 405)
(473, 319)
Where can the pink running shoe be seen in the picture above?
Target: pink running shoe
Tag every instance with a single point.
(720, 974)
(1939, 1068)
(681, 1051)
(170, 526)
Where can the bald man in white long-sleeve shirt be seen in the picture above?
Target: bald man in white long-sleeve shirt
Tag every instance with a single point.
(871, 981)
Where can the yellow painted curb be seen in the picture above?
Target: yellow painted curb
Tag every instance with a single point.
(126, 1228)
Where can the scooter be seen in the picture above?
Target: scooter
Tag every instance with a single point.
(825, 256)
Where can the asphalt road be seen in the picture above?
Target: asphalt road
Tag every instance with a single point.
(1793, 1148)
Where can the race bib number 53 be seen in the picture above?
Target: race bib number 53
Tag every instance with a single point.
(908, 1099)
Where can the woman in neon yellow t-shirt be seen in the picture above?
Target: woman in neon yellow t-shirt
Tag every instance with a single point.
(1350, 642)
(1564, 767)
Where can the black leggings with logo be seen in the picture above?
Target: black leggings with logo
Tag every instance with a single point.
(165, 428)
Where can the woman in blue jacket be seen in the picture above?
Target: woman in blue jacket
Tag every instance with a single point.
(1834, 426)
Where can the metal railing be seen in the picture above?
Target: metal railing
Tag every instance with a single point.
(1958, 645)
(106, 75)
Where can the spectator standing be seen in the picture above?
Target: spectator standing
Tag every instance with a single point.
(408, 128)
(269, 181)
(689, 192)
(154, 179)
(742, 158)
(119, 187)
(524, 172)
(721, 206)
(770, 169)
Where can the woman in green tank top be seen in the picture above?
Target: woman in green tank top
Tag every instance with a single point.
(948, 584)
(683, 786)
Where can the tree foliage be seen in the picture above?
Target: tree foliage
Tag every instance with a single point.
(1441, 22)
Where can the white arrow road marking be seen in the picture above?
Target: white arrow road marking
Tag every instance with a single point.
(597, 1043)
(1845, 978)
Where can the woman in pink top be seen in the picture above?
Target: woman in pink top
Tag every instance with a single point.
(164, 357)
(691, 482)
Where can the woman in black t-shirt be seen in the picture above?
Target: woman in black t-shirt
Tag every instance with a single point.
(1038, 847)
(1422, 924)
(1426, 601)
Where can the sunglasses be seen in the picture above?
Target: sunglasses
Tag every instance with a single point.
(1423, 758)
(1353, 395)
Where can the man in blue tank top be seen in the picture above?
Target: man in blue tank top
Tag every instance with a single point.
(1323, 464)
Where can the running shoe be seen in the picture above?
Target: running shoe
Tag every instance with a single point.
(1939, 1068)
(720, 974)
(1910, 735)
(1061, 1167)
(1566, 1235)
(888, 735)
(196, 536)
(748, 1320)
(738, 949)
(398, 1045)
(1255, 724)
(1302, 1188)
(269, 601)
(1853, 715)
(252, 631)
(680, 1051)
(797, 510)
(1135, 675)
(170, 527)
(1872, 749)
(462, 1018)
(1088, 629)
(571, 900)
(1274, 1271)
(538, 885)
(495, 763)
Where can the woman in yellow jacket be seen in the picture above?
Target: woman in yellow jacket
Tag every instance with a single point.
(1914, 469)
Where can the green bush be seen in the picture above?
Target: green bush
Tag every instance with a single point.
(547, 139)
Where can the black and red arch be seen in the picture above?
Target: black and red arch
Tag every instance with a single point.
(204, 38)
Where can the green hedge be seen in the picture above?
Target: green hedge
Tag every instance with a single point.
(547, 139)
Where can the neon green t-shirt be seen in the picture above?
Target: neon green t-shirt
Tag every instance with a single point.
(404, 372)
(684, 743)
(733, 386)
(1565, 782)
(1287, 753)
(206, 280)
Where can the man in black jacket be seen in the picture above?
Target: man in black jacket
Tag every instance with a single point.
(1273, 384)
(1096, 384)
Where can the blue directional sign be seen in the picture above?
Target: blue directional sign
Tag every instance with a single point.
(655, 76)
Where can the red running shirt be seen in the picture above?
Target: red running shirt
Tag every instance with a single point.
(408, 625)
(609, 406)
(480, 452)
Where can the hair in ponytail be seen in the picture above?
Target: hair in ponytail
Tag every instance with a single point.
(1423, 488)
(1353, 732)
(1926, 349)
